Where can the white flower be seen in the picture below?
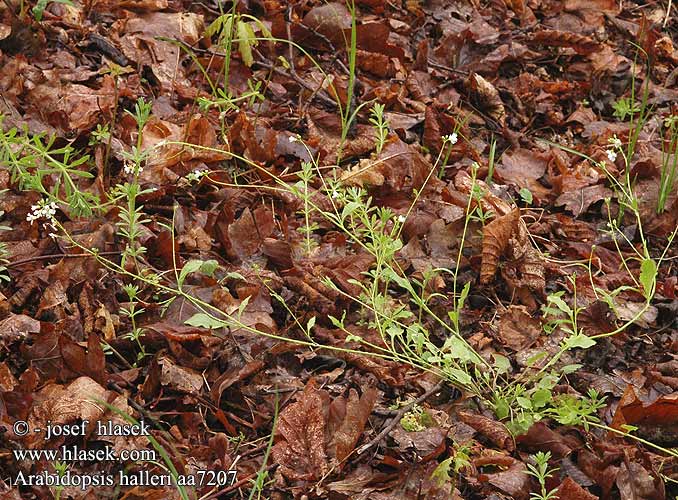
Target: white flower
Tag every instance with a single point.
(196, 175)
(451, 138)
(615, 142)
(611, 155)
(401, 218)
(335, 194)
(294, 138)
(129, 168)
(42, 210)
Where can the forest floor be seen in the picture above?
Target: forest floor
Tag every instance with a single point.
(416, 249)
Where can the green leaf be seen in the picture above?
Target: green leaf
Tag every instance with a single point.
(579, 340)
(541, 398)
(567, 369)
(208, 267)
(202, 320)
(460, 376)
(247, 39)
(463, 296)
(215, 26)
(191, 266)
(526, 195)
(559, 303)
(243, 305)
(441, 474)
(648, 274)
(501, 409)
(501, 363)
(234, 276)
(532, 360)
(524, 402)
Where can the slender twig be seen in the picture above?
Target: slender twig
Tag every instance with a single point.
(398, 416)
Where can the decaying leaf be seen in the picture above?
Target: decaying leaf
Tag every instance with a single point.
(355, 413)
(496, 236)
(300, 448)
(180, 378)
(517, 328)
(63, 405)
(489, 428)
(488, 97)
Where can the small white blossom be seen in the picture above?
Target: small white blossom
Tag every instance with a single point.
(335, 194)
(401, 218)
(611, 155)
(294, 138)
(131, 169)
(42, 210)
(196, 175)
(451, 138)
(615, 142)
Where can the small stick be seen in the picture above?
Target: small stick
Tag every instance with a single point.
(399, 415)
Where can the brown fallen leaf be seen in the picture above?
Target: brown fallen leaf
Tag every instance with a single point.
(140, 41)
(636, 483)
(517, 328)
(488, 97)
(7, 380)
(16, 327)
(553, 38)
(523, 168)
(424, 442)
(180, 378)
(72, 107)
(496, 236)
(578, 201)
(300, 447)
(512, 478)
(64, 405)
(569, 490)
(493, 430)
(355, 412)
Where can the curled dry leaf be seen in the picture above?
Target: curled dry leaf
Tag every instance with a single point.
(399, 167)
(578, 201)
(177, 157)
(365, 173)
(636, 483)
(7, 380)
(580, 43)
(488, 97)
(329, 21)
(512, 478)
(424, 443)
(496, 236)
(493, 430)
(16, 327)
(72, 107)
(489, 202)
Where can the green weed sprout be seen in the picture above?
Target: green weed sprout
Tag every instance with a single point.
(541, 471)
(380, 126)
